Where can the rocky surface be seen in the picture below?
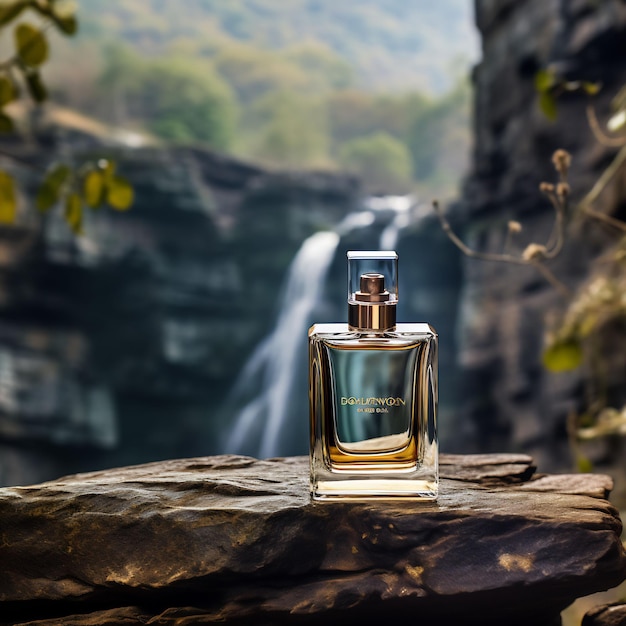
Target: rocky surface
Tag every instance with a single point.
(236, 540)
(611, 615)
(512, 402)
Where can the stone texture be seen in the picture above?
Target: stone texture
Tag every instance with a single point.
(510, 400)
(611, 615)
(236, 540)
(103, 337)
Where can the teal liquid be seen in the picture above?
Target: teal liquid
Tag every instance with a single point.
(374, 396)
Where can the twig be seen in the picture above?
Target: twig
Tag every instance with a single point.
(603, 217)
(538, 264)
(465, 249)
(603, 181)
(549, 275)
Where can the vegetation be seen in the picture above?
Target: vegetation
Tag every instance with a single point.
(592, 327)
(87, 184)
(380, 158)
(292, 86)
(174, 98)
(287, 85)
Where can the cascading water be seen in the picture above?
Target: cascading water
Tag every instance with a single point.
(401, 206)
(275, 359)
(261, 396)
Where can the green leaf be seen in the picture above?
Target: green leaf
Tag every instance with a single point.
(50, 190)
(544, 80)
(547, 104)
(93, 188)
(120, 193)
(591, 89)
(8, 199)
(6, 124)
(584, 465)
(7, 90)
(31, 45)
(74, 213)
(67, 25)
(10, 10)
(36, 88)
(563, 356)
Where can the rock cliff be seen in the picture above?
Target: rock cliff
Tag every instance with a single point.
(511, 401)
(118, 346)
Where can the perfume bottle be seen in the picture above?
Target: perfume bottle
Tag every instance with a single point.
(373, 394)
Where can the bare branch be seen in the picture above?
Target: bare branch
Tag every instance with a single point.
(603, 181)
(465, 249)
(549, 275)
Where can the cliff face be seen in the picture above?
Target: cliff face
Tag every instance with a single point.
(119, 346)
(513, 403)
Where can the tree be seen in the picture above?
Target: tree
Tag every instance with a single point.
(254, 72)
(381, 160)
(177, 99)
(354, 113)
(292, 130)
(438, 135)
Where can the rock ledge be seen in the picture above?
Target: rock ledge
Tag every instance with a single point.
(237, 540)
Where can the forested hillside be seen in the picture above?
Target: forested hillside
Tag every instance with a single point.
(375, 86)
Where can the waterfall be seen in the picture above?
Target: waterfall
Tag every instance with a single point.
(401, 207)
(276, 358)
(261, 395)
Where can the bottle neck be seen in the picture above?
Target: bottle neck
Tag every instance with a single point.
(367, 317)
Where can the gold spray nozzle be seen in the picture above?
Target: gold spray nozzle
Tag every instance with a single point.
(372, 288)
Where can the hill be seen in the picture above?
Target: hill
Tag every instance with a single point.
(375, 86)
(394, 45)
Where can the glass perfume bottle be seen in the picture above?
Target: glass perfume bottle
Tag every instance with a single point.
(373, 394)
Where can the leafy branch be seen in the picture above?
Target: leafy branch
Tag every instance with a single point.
(89, 184)
(598, 308)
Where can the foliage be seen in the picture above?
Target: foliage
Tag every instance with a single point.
(288, 129)
(598, 304)
(550, 86)
(339, 60)
(432, 126)
(595, 314)
(379, 159)
(354, 113)
(178, 100)
(390, 45)
(309, 68)
(74, 187)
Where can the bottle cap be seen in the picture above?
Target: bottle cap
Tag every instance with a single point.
(372, 289)
(372, 277)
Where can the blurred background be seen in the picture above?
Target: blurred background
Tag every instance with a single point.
(262, 140)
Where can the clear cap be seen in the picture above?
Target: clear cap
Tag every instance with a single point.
(372, 277)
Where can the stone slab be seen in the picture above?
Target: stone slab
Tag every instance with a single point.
(237, 540)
